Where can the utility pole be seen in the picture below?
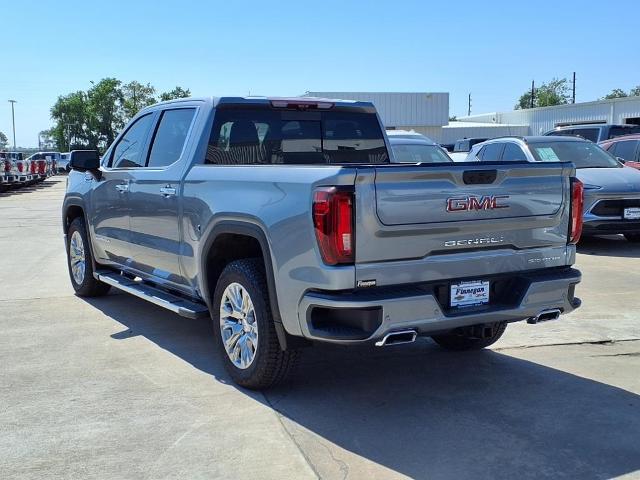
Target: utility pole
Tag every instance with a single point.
(573, 97)
(469, 106)
(533, 92)
(13, 120)
(69, 125)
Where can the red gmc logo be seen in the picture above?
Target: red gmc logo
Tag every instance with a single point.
(472, 202)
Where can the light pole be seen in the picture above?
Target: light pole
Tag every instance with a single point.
(13, 120)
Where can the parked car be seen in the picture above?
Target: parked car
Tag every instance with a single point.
(596, 132)
(283, 220)
(611, 190)
(46, 163)
(20, 168)
(63, 162)
(417, 150)
(626, 149)
(6, 170)
(39, 166)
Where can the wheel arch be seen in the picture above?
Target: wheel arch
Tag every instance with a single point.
(210, 267)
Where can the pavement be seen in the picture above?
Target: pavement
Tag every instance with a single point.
(116, 388)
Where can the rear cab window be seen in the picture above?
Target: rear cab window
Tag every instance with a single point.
(170, 136)
(260, 134)
(587, 133)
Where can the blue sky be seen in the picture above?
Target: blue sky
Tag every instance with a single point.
(491, 49)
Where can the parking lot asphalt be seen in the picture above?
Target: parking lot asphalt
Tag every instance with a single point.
(118, 388)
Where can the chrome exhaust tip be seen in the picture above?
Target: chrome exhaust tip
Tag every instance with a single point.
(397, 338)
(545, 316)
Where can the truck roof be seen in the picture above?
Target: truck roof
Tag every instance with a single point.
(324, 103)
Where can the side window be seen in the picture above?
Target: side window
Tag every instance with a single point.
(491, 152)
(128, 152)
(170, 136)
(626, 149)
(587, 133)
(513, 153)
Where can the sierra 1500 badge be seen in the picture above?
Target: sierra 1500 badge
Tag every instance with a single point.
(474, 202)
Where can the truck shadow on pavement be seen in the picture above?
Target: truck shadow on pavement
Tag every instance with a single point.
(423, 412)
(609, 246)
(9, 191)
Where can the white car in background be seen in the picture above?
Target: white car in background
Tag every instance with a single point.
(417, 150)
(63, 162)
(407, 134)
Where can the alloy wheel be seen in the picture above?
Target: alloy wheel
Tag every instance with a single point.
(238, 326)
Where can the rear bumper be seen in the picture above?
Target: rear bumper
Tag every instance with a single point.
(369, 314)
(24, 178)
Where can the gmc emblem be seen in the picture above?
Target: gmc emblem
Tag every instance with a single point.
(473, 202)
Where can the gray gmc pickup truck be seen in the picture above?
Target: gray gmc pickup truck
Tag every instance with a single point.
(287, 222)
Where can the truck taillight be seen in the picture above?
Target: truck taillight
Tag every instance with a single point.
(34, 167)
(577, 204)
(333, 223)
(7, 166)
(20, 167)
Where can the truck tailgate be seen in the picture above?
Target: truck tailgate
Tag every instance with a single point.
(418, 223)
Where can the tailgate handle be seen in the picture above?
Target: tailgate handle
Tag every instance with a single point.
(479, 177)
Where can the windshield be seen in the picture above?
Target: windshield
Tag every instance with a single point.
(582, 154)
(419, 153)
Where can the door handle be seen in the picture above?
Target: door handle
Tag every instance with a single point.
(167, 191)
(122, 187)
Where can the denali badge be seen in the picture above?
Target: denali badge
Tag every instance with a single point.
(474, 241)
(473, 202)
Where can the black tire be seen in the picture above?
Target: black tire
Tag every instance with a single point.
(89, 286)
(465, 341)
(271, 365)
(632, 237)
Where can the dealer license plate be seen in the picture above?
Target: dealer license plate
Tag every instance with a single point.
(632, 213)
(466, 294)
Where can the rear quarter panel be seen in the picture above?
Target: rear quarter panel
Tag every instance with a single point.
(277, 199)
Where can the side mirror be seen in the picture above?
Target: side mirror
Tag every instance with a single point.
(83, 160)
(621, 160)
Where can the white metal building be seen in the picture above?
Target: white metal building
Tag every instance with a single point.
(543, 119)
(458, 130)
(423, 112)
(426, 113)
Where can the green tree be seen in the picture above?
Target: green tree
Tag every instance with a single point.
(616, 93)
(177, 92)
(93, 118)
(3, 140)
(635, 92)
(137, 96)
(70, 114)
(555, 92)
(105, 111)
